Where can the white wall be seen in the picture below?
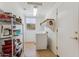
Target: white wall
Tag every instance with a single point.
(8, 7)
(67, 12)
(51, 33)
(30, 35)
(52, 36)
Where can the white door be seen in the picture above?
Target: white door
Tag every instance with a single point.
(68, 25)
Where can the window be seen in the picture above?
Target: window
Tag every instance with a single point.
(30, 23)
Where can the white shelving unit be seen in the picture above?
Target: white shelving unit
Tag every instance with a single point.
(12, 23)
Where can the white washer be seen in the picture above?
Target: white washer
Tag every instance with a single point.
(41, 40)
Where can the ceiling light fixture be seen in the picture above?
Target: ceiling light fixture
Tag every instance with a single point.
(34, 10)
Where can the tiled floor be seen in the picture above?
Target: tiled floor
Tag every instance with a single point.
(30, 51)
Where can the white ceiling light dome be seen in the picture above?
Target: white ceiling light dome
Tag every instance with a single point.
(35, 10)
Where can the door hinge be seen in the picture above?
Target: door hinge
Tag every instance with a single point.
(57, 30)
(57, 12)
(57, 47)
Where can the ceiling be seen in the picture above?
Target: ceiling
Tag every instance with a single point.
(43, 7)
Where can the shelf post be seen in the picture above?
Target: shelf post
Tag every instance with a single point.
(12, 34)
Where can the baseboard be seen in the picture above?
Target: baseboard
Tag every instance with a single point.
(30, 42)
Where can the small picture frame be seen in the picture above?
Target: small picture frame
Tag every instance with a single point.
(30, 26)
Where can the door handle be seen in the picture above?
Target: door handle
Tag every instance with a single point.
(76, 38)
